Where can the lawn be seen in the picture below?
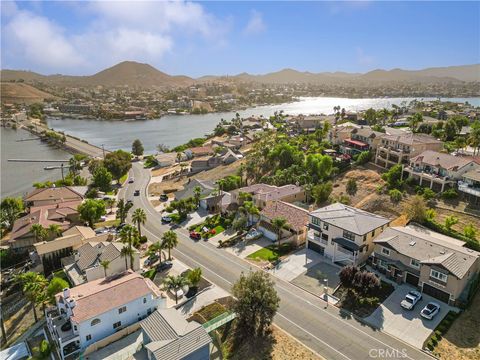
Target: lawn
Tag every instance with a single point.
(216, 225)
(123, 179)
(271, 253)
(362, 306)
(150, 273)
(107, 223)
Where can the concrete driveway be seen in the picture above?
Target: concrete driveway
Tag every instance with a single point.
(296, 264)
(406, 325)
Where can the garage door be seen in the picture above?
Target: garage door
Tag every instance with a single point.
(269, 234)
(411, 279)
(436, 293)
(316, 247)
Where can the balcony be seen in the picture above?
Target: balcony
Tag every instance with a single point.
(431, 175)
(464, 187)
(312, 237)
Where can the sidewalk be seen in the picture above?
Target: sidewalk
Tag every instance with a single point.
(202, 300)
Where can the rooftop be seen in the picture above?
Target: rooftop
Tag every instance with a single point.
(412, 139)
(63, 193)
(446, 161)
(296, 217)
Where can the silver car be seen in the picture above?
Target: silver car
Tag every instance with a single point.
(411, 300)
(429, 311)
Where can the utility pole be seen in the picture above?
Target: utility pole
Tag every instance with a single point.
(61, 167)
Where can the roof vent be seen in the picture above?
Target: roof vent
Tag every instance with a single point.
(442, 252)
(412, 243)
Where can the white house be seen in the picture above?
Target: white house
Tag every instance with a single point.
(343, 233)
(93, 311)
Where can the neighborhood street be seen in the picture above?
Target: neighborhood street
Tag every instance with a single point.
(306, 317)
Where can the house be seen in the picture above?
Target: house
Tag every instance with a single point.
(366, 135)
(51, 252)
(216, 202)
(399, 149)
(85, 264)
(296, 222)
(469, 186)
(344, 234)
(264, 194)
(167, 335)
(18, 351)
(166, 159)
(437, 170)
(199, 151)
(95, 310)
(226, 158)
(63, 214)
(206, 187)
(54, 195)
(437, 264)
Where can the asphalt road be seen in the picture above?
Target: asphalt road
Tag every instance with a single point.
(306, 317)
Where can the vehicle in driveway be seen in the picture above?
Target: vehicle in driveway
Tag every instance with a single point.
(131, 180)
(253, 234)
(166, 219)
(430, 310)
(136, 193)
(151, 260)
(411, 299)
(195, 235)
(163, 197)
(164, 266)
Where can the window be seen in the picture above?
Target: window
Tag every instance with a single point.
(117, 324)
(325, 237)
(315, 221)
(438, 275)
(122, 309)
(95, 322)
(325, 226)
(414, 263)
(373, 233)
(144, 300)
(89, 337)
(364, 238)
(385, 251)
(348, 235)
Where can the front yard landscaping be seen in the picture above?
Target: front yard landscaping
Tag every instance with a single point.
(108, 223)
(215, 224)
(271, 253)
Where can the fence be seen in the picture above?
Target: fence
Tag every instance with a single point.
(112, 338)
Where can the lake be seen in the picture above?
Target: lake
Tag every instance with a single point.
(173, 130)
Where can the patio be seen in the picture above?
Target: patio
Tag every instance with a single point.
(317, 276)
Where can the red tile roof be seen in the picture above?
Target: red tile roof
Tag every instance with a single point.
(297, 218)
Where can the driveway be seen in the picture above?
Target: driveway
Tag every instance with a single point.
(295, 264)
(195, 218)
(406, 325)
(319, 274)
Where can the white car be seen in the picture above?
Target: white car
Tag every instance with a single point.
(166, 219)
(429, 311)
(411, 299)
(253, 234)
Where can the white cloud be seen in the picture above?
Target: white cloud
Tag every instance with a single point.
(255, 23)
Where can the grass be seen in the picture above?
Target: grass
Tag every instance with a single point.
(107, 223)
(216, 222)
(123, 178)
(150, 273)
(271, 253)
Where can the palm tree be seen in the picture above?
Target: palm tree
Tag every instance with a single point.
(129, 235)
(169, 241)
(174, 283)
(197, 193)
(110, 203)
(55, 230)
(122, 210)
(139, 217)
(105, 264)
(39, 232)
(127, 252)
(33, 286)
(156, 248)
(279, 223)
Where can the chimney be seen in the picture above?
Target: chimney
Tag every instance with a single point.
(66, 293)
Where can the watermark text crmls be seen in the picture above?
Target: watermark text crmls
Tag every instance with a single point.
(381, 353)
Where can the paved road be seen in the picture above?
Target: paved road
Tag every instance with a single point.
(301, 314)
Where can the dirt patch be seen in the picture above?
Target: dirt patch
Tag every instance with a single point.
(220, 171)
(169, 186)
(288, 348)
(367, 183)
(462, 341)
(463, 219)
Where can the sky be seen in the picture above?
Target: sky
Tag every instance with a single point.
(219, 38)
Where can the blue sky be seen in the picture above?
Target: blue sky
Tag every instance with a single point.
(200, 38)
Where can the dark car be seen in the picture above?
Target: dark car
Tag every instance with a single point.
(131, 180)
(195, 235)
(164, 266)
(121, 226)
(136, 193)
(163, 197)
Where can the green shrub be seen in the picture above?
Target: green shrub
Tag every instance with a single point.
(410, 181)
(428, 194)
(450, 194)
(395, 195)
(143, 239)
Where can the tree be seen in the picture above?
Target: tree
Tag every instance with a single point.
(347, 276)
(470, 232)
(364, 157)
(55, 286)
(129, 236)
(239, 223)
(122, 210)
(450, 130)
(257, 304)
(321, 192)
(351, 187)
(105, 264)
(118, 163)
(156, 248)
(474, 137)
(365, 282)
(126, 253)
(450, 221)
(102, 179)
(393, 177)
(416, 209)
(39, 232)
(395, 195)
(33, 287)
(137, 147)
(91, 211)
(162, 148)
(197, 193)
(414, 120)
(55, 230)
(10, 209)
(169, 241)
(279, 223)
(139, 217)
(174, 283)
(194, 276)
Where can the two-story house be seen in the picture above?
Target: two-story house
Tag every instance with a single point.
(54, 195)
(343, 233)
(437, 264)
(399, 149)
(469, 186)
(93, 311)
(361, 139)
(264, 194)
(438, 170)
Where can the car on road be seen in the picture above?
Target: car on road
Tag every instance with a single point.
(164, 197)
(195, 235)
(253, 234)
(411, 299)
(136, 193)
(151, 260)
(166, 219)
(164, 266)
(430, 310)
(131, 180)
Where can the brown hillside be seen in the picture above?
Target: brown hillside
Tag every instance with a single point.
(21, 93)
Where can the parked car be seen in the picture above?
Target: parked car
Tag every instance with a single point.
(164, 266)
(131, 180)
(411, 299)
(166, 219)
(101, 230)
(429, 311)
(253, 234)
(121, 226)
(195, 235)
(136, 193)
(151, 260)
(164, 197)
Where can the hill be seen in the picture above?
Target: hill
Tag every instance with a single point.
(20, 93)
